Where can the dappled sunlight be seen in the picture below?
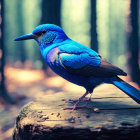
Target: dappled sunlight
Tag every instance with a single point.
(70, 87)
(59, 82)
(7, 135)
(56, 81)
(24, 76)
(28, 77)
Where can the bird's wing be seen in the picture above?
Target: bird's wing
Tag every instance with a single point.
(88, 65)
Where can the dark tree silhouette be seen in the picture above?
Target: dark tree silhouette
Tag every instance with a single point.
(93, 33)
(133, 42)
(51, 14)
(3, 91)
(20, 26)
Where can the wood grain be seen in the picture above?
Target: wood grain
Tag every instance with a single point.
(45, 118)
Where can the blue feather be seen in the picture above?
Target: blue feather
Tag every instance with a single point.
(76, 62)
(128, 89)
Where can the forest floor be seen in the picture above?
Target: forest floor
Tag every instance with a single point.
(27, 85)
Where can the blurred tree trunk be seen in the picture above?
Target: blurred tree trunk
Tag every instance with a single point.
(133, 41)
(51, 14)
(93, 33)
(20, 26)
(3, 91)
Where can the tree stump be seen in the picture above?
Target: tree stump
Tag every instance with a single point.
(45, 119)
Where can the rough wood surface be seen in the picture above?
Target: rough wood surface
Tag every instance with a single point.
(45, 119)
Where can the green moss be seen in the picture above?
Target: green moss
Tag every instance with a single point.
(25, 110)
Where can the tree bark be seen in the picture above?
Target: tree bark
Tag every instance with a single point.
(20, 26)
(51, 12)
(45, 118)
(3, 91)
(133, 42)
(93, 33)
(2, 47)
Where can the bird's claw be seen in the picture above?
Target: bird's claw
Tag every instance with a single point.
(74, 107)
(71, 101)
(75, 100)
(80, 107)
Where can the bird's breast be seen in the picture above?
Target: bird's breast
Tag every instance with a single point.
(52, 58)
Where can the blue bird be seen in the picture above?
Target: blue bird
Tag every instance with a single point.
(77, 63)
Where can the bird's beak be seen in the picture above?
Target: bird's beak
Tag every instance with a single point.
(26, 37)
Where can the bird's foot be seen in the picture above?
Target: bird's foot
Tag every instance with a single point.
(81, 107)
(76, 100)
(83, 98)
(76, 106)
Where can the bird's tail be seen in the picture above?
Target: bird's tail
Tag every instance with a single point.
(128, 89)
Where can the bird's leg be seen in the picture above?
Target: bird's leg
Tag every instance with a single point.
(75, 100)
(89, 99)
(86, 106)
(83, 98)
(78, 101)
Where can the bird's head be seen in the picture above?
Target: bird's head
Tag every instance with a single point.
(45, 34)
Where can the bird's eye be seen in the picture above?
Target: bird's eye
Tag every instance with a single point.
(38, 34)
(43, 32)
